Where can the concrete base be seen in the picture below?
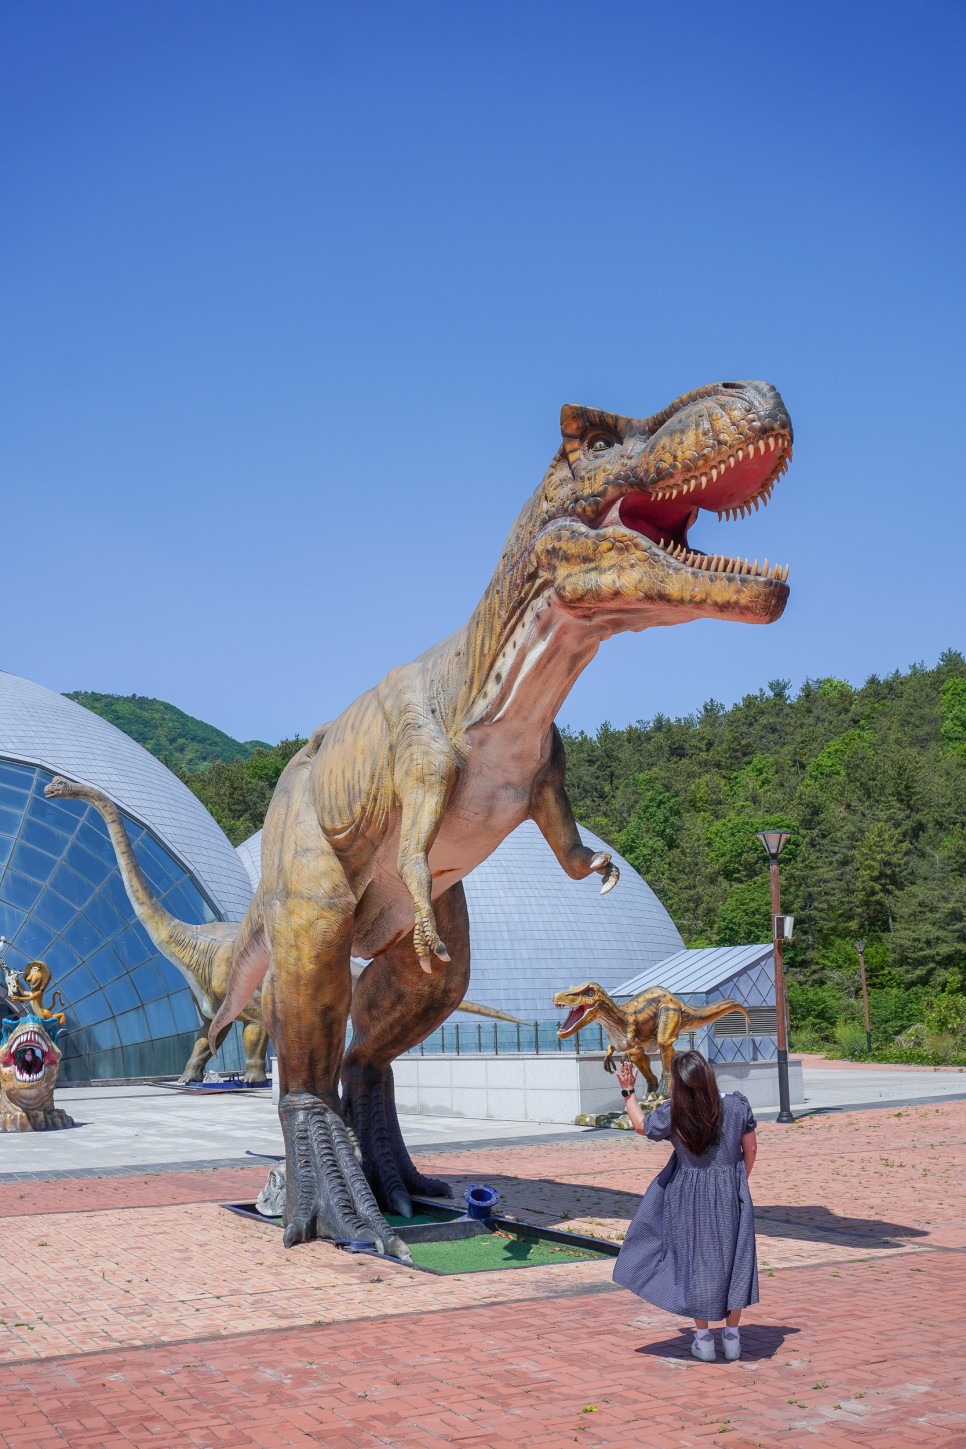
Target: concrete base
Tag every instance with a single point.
(521, 1088)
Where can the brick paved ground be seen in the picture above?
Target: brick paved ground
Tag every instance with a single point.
(134, 1310)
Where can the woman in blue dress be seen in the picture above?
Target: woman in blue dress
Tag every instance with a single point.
(691, 1245)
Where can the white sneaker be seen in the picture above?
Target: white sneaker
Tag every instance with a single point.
(731, 1343)
(703, 1348)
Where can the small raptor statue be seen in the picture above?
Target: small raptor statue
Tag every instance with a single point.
(374, 824)
(650, 1022)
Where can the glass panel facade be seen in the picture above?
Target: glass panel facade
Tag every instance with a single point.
(129, 1011)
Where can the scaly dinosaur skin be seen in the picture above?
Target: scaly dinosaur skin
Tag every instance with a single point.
(650, 1022)
(203, 954)
(375, 823)
(29, 1063)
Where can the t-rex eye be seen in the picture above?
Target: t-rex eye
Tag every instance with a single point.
(601, 445)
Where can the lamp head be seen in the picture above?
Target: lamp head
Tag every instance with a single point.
(774, 841)
(860, 946)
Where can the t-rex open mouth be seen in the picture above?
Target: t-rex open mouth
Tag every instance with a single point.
(732, 484)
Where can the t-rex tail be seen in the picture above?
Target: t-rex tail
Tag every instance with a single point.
(192, 949)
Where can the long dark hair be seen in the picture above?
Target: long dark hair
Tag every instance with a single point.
(695, 1102)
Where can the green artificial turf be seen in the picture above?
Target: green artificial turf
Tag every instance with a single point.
(395, 1221)
(496, 1250)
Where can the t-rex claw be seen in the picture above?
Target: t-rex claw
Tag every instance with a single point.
(610, 878)
(606, 869)
(326, 1193)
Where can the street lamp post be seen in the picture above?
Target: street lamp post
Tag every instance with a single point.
(774, 842)
(860, 947)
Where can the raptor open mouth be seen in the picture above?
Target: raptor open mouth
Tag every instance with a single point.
(731, 484)
(576, 1014)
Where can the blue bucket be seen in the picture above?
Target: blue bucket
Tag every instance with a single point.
(480, 1201)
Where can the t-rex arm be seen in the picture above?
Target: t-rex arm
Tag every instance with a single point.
(424, 770)
(551, 809)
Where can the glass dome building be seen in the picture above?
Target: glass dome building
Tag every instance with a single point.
(534, 931)
(130, 1013)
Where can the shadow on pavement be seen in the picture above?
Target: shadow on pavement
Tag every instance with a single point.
(817, 1224)
(547, 1202)
(758, 1341)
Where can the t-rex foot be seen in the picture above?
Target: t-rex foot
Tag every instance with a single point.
(326, 1193)
(369, 1103)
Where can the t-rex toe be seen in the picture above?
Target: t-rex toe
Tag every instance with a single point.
(326, 1192)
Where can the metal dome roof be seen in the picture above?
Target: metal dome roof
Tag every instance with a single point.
(534, 931)
(40, 727)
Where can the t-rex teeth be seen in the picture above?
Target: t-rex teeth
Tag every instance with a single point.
(731, 462)
(761, 446)
(740, 454)
(714, 475)
(771, 445)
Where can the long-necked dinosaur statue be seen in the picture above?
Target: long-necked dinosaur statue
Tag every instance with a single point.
(202, 954)
(374, 824)
(650, 1022)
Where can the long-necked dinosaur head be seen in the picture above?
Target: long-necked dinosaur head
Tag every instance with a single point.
(622, 494)
(584, 1003)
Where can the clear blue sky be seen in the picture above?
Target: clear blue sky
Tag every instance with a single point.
(293, 294)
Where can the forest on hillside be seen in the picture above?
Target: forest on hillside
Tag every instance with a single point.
(871, 785)
(179, 740)
(869, 782)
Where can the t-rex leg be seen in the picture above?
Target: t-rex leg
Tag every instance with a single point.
(394, 1007)
(305, 1002)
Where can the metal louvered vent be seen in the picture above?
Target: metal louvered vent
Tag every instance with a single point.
(764, 1022)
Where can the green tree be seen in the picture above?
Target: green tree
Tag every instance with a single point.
(880, 873)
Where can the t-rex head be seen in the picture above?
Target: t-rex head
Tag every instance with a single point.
(611, 526)
(29, 1063)
(584, 1003)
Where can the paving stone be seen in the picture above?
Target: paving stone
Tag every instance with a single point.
(175, 1323)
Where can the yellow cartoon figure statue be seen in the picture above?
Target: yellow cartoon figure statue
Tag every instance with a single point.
(28, 994)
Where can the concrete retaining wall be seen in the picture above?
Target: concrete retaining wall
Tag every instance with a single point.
(521, 1088)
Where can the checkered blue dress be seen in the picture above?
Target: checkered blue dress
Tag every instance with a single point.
(691, 1245)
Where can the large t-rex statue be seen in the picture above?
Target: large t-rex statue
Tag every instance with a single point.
(650, 1022)
(375, 823)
